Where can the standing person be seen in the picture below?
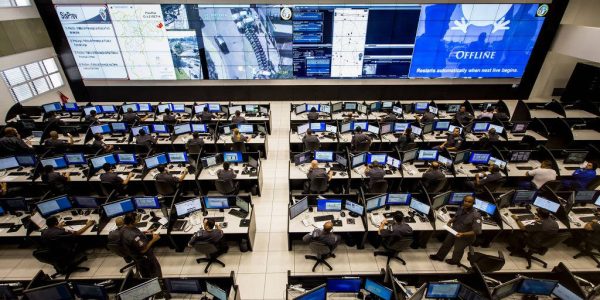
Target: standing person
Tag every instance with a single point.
(239, 141)
(137, 244)
(462, 116)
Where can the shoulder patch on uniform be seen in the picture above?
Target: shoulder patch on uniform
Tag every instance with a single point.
(478, 220)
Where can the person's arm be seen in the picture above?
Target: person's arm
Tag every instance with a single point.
(66, 175)
(89, 224)
(155, 238)
(126, 181)
(477, 181)
(381, 227)
(519, 223)
(329, 175)
(182, 176)
(70, 138)
(588, 226)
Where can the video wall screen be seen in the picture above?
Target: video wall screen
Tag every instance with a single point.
(209, 42)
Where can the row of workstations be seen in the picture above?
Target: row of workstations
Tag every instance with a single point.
(357, 216)
(560, 283)
(175, 217)
(84, 170)
(43, 287)
(75, 112)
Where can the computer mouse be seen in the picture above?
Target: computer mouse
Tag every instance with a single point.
(145, 217)
(224, 225)
(67, 218)
(342, 214)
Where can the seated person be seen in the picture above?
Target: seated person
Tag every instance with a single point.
(427, 117)
(498, 115)
(11, 143)
(582, 177)
(228, 175)
(324, 236)
(51, 118)
(239, 141)
(487, 114)
(53, 141)
(164, 176)
(59, 240)
(131, 117)
(169, 117)
(405, 139)
(492, 135)
(434, 173)
(543, 228)
(483, 179)
(359, 139)
(92, 117)
(453, 142)
(56, 181)
(113, 179)
(313, 173)
(99, 144)
(195, 140)
(145, 139)
(390, 117)
(206, 116)
(540, 175)
(398, 230)
(237, 118)
(313, 115)
(309, 140)
(375, 173)
(462, 116)
(211, 235)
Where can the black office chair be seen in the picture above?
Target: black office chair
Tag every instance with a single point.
(552, 185)
(362, 147)
(541, 248)
(165, 188)
(379, 187)
(486, 263)
(226, 187)
(392, 250)
(144, 149)
(435, 186)
(209, 250)
(590, 243)
(322, 251)
(194, 150)
(239, 146)
(319, 185)
(118, 250)
(496, 185)
(312, 146)
(63, 264)
(108, 189)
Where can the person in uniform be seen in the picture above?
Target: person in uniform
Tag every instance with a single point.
(164, 176)
(113, 179)
(315, 172)
(427, 117)
(375, 173)
(57, 181)
(211, 235)
(398, 230)
(169, 117)
(11, 143)
(543, 228)
(498, 115)
(453, 142)
(360, 138)
(325, 236)
(237, 119)
(308, 139)
(483, 179)
(131, 117)
(144, 139)
(195, 140)
(467, 224)
(91, 117)
(53, 141)
(206, 116)
(137, 244)
(99, 144)
(462, 116)
(53, 119)
(313, 115)
(405, 139)
(390, 117)
(492, 135)
(114, 236)
(59, 240)
(239, 141)
(432, 174)
(228, 175)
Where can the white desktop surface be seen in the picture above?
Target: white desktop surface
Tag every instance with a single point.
(171, 168)
(586, 135)
(511, 223)
(263, 118)
(110, 226)
(233, 222)
(297, 138)
(226, 139)
(343, 115)
(574, 218)
(73, 228)
(466, 170)
(74, 178)
(16, 220)
(538, 137)
(184, 138)
(579, 113)
(359, 172)
(470, 137)
(299, 172)
(205, 173)
(6, 177)
(411, 171)
(120, 169)
(108, 139)
(346, 137)
(417, 226)
(296, 226)
(543, 114)
(514, 171)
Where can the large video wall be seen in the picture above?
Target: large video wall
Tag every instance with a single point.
(206, 42)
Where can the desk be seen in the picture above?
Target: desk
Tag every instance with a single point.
(10, 176)
(109, 139)
(162, 230)
(122, 171)
(466, 170)
(32, 141)
(299, 172)
(252, 118)
(413, 171)
(182, 139)
(519, 136)
(258, 142)
(439, 214)
(359, 172)
(505, 214)
(418, 225)
(326, 143)
(296, 229)
(62, 215)
(208, 176)
(174, 170)
(437, 137)
(544, 114)
(22, 232)
(181, 117)
(343, 115)
(470, 137)
(586, 135)
(304, 116)
(76, 174)
(346, 137)
(579, 113)
(568, 169)
(517, 170)
(574, 217)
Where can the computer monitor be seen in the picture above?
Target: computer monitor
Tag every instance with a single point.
(585, 196)
(89, 291)
(378, 290)
(246, 128)
(242, 204)
(500, 163)
(461, 156)
(419, 206)
(416, 130)
(506, 289)
(330, 128)
(442, 290)
(108, 109)
(309, 107)
(187, 207)
(401, 127)
(410, 155)
(452, 127)
(421, 106)
(299, 207)
(344, 285)
(441, 125)
(156, 160)
(88, 109)
(50, 107)
(118, 208)
(523, 196)
(484, 206)
(142, 291)
(301, 129)
(530, 286)
(126, 158)
(216, 107)
(427, 128)
(300, 108)
(118, 127)
(499, 129)
(376, 202)
(433, 109)
(85, 202)
(362, 108)
(380, 158)
(519, 156)
(317, 127)
(345, 127)
(75, 159)
(324, 156)
(145, 107)
(54, 205)
(37, 133)
(181, 129)
(14, 204)
(362, 125)
(563, 293)
(325, 108)
(576, 157)
(136, 130)
(53, 291)
(125, 107)
(101, 129)
(337, 106)
(252, 162)
(519, 127)
(397, 110)
(318, 293)
(398, 199)
(26, 160)
(354, 207)
(216, 291)
(146, 202)
(233, 157)
(183, 286)
(216, 202)
(457, 198)
(444, 161)
(179, 108)
(393, 162)
(479, 158)
(480, 127)
(177, 157)
(427, 155)
(358, 159)
(387, 104)
(209, 161)
(350, 105)
(56, 162)
(453, 108)
(302, 158)
(200, 128)
(71, 107)
(329, 205)
(546, 204)
(340, 159)
(160, 128)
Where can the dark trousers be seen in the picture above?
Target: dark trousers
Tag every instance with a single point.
(222, 248)
(516, 242)
(460, 244)
(149, 267)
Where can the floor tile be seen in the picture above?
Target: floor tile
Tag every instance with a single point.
(275, 285)
(278, 241)
(253, 262)
(280, 261)
(251, 286)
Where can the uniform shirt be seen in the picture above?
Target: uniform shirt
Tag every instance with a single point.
(541, 176)
(168, 178)
(134, 241)
(214, 236)
(237, 119)
(493, 137)
(226, 174)
(13, 145)
(169, 118)
(316, 173)
(583, 177)
(310, 139)
(55, 143)
(58, 240)
(467, 220)
(114, 237)
(195, 141)
(540, 231)
(490, 178)
(360, 138)
(90, 118)
(452, 141)
(111, 178)
(397, 232)
(427, 117)
(144, 140)
(375, 174)
(463, 117)
(318, 235)
(206, 116)
(406, 139)
(390, 117)
(433, 174)
(313, 116)
(130, 117)
(56, 178)
(55, 119)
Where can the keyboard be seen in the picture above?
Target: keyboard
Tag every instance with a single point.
(6, 225)
(179, 224)
(216, 219)
(238, 213)
(571, 168)
(18, 173)
(489, 221)
(524, 168)
(74, 173)
(519, 211)
(323, 218)
(337, 167)
(175, 172)
(141, 224)
(475, 171)
(588, 218)
(75, 222)
(583, 210)
(525, 217)
(389, 172)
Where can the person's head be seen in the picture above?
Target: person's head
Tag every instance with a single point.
(358, 129)
(167, 111)
(375, 164)
(591, 166)
(130, 110)
(468, 201)
(106, 167)
(435, 165)
(119, 221)
(205, 109)
(328, 226)
(313, 109)
(10, 132)
(309, 132)
(53, 134)
(238, 113)
(490, 109)
(142, 132)
(98, 137)
(52, 222)
(398, 217)
(195, 135)
(226, 165)
(462, 109)
(48, 169)
(236, 131)
(209, 224)
(408, 131)
(161, 168)
(456, 131)
(492, 131)
(543, 214)
(494, 169)
(93, 112)
(314, 164)
(546, 164)
(130, 219)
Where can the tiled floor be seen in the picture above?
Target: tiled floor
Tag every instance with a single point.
(261, 274)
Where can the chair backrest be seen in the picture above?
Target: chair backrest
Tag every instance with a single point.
(117, 249)
(194, 149)
(551, 240)
(552, 185)
(107, 188)
(239, 146)
(225, 187)
(164, 188)
(318, 184)
(363, 146)
(400, 244)
(379, 187)
(205, 248)
(493, 186)
(486, 263)
(311, 145)
(319, 248)
(44, 255)
(435, 186)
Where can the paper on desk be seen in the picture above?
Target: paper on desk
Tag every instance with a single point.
(163, 221)
(527, 222)
(9, 178)
(449, 229)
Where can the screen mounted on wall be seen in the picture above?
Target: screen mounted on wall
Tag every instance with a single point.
(398, 41)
